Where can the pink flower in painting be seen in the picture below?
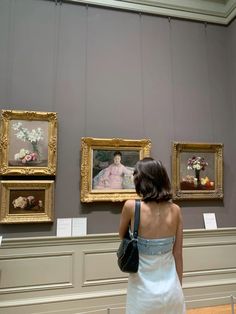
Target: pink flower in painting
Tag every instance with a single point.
(28, 157)
(25, 156)
(34, 156)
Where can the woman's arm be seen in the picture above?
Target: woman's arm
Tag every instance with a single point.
(125, 218)
(128, 171)
(178, 246)
(104, 180)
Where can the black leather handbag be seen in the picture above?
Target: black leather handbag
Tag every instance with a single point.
(127, 254)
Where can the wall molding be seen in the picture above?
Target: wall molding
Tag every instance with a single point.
(210, 11)
(107, 238)
(63, 298)
(65, 267)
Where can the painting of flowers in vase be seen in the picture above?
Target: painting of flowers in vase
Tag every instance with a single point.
(197, 170)
(28, 142)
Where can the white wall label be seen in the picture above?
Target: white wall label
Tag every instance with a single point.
(75, 227)
(210, 220)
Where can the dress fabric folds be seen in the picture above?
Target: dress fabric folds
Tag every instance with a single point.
(155, 288)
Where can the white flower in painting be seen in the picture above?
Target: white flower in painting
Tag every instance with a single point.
(17, 156)
(16, 125)
(21, 135)
(20, 202)
(197, 167)
(36, 135)
(25, 135)
(23, 152)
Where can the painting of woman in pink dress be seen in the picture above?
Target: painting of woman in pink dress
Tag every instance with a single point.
(114, 176)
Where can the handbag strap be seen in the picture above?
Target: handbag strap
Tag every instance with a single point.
(136, 218)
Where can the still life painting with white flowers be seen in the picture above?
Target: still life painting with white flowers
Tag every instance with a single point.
(30, 140)
(26, 201)
(28, 143)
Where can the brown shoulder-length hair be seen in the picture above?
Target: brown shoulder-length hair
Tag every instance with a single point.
(151, 180)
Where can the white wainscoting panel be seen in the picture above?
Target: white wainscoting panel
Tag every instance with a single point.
(79, 275)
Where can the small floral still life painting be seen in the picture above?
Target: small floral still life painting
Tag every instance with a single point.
(28, 143)
(197, 172)
(23, 202)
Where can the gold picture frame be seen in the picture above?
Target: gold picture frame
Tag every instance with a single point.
(97, 157)
(197, 171)
(28, 143)
(26, 201)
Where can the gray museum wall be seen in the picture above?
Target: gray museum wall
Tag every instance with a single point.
(111, 73)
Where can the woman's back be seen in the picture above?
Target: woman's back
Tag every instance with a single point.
(157, 220)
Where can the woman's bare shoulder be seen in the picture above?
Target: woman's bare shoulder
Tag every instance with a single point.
(175, 208)
(129, 204)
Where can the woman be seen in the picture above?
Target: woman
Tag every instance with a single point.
(156, 287)
(113, 176)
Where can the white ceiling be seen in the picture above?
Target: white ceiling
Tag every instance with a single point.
(212, 11)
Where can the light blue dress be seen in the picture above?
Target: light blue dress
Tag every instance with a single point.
(155, 288)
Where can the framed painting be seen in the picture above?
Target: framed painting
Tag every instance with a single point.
(26, 201)
(107, 167)
(28, 144)
(197, 171)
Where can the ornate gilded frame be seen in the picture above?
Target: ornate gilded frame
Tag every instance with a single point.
(41, 191)
(189, 183)
(8, 166)
(89, 148)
